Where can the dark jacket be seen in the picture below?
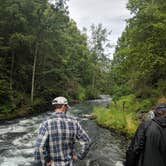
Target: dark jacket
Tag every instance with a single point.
(148, 147)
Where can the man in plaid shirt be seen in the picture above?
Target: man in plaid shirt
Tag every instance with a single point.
(57, 136)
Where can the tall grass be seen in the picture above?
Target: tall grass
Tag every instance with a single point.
(120, 114)
(115, 119)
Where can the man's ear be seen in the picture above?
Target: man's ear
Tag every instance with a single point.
(63, 107)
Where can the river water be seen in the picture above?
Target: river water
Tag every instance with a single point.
(18, 137)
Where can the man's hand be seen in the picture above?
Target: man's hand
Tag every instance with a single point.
(75, 157)
(49, 163)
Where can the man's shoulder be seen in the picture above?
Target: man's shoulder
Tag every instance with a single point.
(145, 124)
(66, 117)
(71, 117)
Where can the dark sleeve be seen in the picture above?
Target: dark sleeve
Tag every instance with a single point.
(136, 146)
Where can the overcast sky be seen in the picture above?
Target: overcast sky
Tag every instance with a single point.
(111, 13)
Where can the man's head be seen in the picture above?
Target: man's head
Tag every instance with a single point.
(60, 103)
(160, 109)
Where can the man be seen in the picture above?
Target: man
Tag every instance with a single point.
(56, 138)
(148, 147)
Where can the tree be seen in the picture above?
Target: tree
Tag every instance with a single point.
(43, 55)
(99, 46)
(139, 59)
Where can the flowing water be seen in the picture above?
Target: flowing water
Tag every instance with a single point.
(18, 137)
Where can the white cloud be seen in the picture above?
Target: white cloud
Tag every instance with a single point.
(111, 13)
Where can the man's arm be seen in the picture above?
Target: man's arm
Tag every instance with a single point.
(41, 147)
(84, 140)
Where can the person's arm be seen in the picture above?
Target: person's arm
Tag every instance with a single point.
(41, 147)
(136, 146)
(84, 141)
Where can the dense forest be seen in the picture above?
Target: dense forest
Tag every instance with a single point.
(43, 55)
(139, 63)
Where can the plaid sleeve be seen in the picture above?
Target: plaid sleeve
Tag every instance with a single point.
(42, 146)
(84, 141)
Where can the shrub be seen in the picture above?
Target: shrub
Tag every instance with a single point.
(161, 87)
(121, 114)
(119, 91)
(116, 119)
(81, 93)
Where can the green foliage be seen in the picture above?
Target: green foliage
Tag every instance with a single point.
(99, 45)
(118, 91)
(140, 58)
(5, 109)
(4, 91)
(132, 104)
(121, 114)
(43, 55)
(138, 66)
(103, 116)
(161, 88)
(116, 119)
(81, 93)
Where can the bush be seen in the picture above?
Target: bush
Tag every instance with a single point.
(116, 119)
(81, 93)
(144, 91)
(119, 91)
(4, 91)
(121, 114)
(161, 88)
(5, 109)
(103, 116)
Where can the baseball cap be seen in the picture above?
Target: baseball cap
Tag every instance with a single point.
(161, 106)
(60, 100)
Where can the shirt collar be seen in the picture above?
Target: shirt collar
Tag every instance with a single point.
(59, 113)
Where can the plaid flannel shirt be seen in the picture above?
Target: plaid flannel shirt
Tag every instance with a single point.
(56, 139)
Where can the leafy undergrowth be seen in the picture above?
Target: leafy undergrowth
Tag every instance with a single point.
(120, 115)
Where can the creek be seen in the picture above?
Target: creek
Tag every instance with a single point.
(18, 137)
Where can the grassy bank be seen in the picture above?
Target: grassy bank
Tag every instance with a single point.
(122, 115)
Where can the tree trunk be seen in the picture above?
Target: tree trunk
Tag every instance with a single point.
(11, 79)
(33, 74)
(11, 72)
(93, 83)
